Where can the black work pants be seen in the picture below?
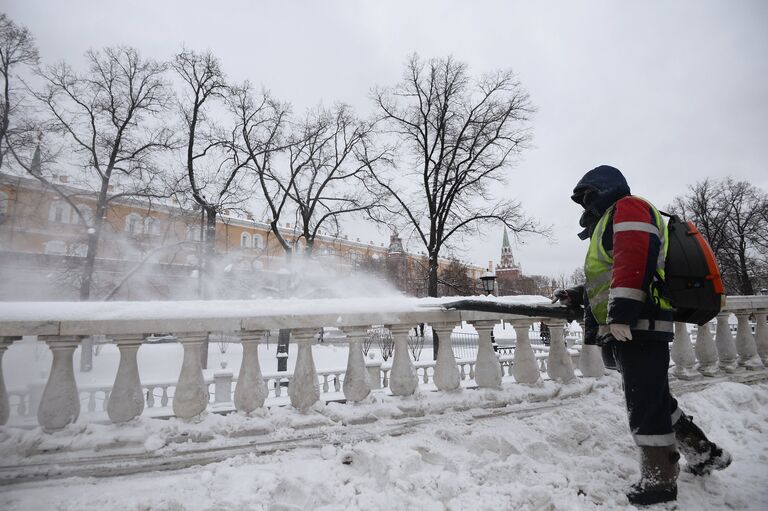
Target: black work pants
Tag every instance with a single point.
(652, 410)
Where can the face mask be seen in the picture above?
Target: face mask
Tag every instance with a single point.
(589, 221)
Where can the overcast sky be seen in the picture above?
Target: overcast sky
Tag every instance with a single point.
(668, 92)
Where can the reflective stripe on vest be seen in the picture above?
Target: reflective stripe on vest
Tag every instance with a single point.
(598, 266)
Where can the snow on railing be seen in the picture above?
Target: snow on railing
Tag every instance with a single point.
(63, 326)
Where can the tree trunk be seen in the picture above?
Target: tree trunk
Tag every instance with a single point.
(94, 235)
(283, 343)
(209, 256)
(209, 271)
(86, 278)
(746, 283)
(432, 282)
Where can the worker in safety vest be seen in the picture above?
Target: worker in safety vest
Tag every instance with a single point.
(627, 313)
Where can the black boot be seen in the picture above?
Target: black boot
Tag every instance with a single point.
(701, 455)
(658, 476)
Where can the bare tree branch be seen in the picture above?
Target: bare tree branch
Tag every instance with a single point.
(457, 137)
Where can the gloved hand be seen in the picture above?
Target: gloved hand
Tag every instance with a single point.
(562, 295)
(620, 332)
(571, 297)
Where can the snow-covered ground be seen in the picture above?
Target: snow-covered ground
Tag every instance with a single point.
(575, 455)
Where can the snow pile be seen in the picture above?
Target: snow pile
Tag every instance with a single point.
(577, 455)
(145, 434)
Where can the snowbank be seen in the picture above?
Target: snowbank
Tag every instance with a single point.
(577, 455)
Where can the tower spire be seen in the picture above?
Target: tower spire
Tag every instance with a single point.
(507, 259)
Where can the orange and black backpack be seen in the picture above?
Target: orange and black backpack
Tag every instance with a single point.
(692, 284)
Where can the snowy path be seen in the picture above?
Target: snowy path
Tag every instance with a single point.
(561, 454)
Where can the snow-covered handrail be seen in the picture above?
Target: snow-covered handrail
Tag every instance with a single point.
(62, 326)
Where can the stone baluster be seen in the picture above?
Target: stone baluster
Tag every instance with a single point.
(745, 342)
(559, 363)
(682, 353)
(60, 403)
(303, 388)
(251, 390)
(524, 367)
(164, 397)
(447, 376)
(191, 396)
(761, 335)
(374, 374)
(487, 367)
(402, 377)
(36, 389)
(591, 362)
(326, 387)
(357, 381)
(5, 406)
(222, 389)
(706, 351)
(126, 401)
(726, 349)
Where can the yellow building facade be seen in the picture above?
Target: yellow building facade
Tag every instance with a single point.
(38, 229)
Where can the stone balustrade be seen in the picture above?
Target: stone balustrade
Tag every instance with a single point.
(62, 327)
(721, 351)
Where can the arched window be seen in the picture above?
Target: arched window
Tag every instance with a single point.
(257, 241)
(151, 226)
(355, 257)
(245, 240)
(58, 212)
(193, 232)
(3, 204)
(55, 247)
(133, 224)
(257, 265)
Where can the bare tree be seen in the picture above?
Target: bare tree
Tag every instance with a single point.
(706, 207)
(459, 139)
(17, 48)
(109, 117)
(733, 217)
(746, 231)
(324, 176)
(214, 170)
(261, 124)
